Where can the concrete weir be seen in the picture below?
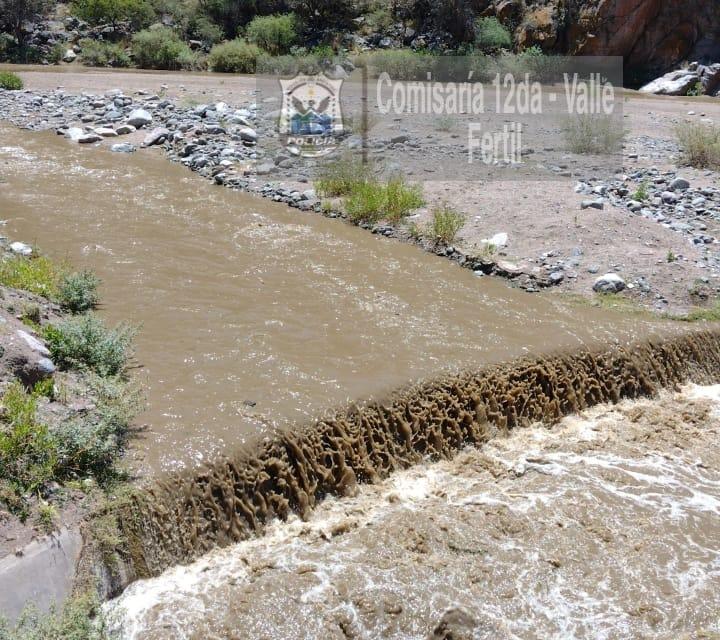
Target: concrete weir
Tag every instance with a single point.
(182, 516)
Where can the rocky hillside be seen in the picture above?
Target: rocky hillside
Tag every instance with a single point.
(653, 36)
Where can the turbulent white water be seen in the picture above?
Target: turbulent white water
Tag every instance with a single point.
(605, 526)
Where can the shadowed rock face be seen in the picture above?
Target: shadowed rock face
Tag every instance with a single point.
(651, 35)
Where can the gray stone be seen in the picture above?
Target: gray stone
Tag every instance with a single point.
(675, 83)
(247, 134)
(592, 204)
(139, 118)
(264, 168)
(106, 132)
(89, 138)
(21, 248)
(679, 184)
(125, 129)
(609, 283)
(123, 147)
(156, 136)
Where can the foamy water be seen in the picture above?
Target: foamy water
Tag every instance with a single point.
(605, 526)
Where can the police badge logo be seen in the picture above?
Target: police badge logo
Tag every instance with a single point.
(311, 119)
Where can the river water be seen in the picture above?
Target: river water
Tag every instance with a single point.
(253, 315)
(605, 526)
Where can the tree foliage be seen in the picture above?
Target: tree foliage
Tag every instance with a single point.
(138, 12)
(14, 13)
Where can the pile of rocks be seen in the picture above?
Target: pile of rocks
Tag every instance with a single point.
(666, 198)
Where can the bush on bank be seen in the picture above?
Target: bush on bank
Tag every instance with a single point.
(75, 292)
(236, 56)
(491, 35)
(97, 53)
(34, 453)
(700, 145)
(275, 34)
(10, 81)
(162, 48)
(79, 618)
(85, 343)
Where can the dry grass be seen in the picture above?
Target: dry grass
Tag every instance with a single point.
(700, 144)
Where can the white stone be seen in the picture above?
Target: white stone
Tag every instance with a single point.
(21, 248)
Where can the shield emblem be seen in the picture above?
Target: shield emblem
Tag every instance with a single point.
(311, 117)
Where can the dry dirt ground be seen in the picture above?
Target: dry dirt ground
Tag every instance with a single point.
(543, 219)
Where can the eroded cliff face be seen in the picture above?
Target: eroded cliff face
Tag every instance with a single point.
(653, 36)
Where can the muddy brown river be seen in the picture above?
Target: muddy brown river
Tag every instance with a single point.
(253, 315)
(603, 527)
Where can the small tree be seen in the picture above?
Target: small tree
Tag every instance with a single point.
(491, 35)
(276, 34)
(229, 14)
(325, 14)
(138, 12)
(14, 13)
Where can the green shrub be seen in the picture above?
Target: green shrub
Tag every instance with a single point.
(36, 274)
(535, 63)
(28, 454)
(700, 145)
(236, 56)
(379, 19)
(138, 12)
(92, 445)
(340, 176)
(366, 202)
(97, 53)
(322, 15)
(401, 199)
(642, 193)
(201, 28)
(445, 225)
(698, 89)
(10, 81)
(78, 291)
(162, 48)
(593, 134)
(33, 454)
(80, 618)
(85, 343)
(399, 64)
(275, 34)
(291, 65)
(491, 35)
(371, 200)
(57, 53)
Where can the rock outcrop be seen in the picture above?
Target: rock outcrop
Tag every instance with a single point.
(653, 36)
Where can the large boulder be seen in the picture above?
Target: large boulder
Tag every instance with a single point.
(675, 83)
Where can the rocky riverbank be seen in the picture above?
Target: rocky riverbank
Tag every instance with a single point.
(663, 248)
(66, 408)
